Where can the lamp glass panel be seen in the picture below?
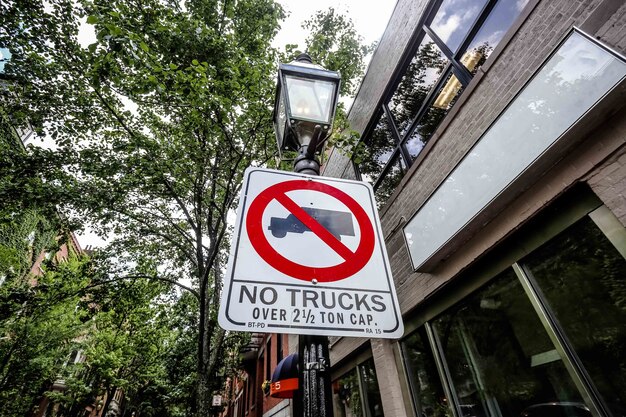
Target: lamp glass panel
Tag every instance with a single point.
(310, 99)
(281, 119)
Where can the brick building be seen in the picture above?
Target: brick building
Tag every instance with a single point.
(244, 394)
(494, 137)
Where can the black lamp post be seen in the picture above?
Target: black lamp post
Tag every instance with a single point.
(306, 99)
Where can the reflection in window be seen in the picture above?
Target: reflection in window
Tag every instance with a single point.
(371, 393)
(500, 359)
(454, 20)
(389, 182)
(494, 28)
(428, 396)
(356, 394)
(379, 150)
(347, 396)
(421, 75)
(581, 275)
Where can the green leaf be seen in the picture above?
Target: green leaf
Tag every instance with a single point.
(92, 20)
(144, 46)
(195, 62)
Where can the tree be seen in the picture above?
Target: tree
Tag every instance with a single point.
(154, 125)
(38, 333)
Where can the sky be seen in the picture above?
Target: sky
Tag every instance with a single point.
(370, 17)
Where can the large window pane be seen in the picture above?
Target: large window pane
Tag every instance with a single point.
(502, 362)
(500, 19)
(582, 276)
(454, 20)
(420, 77)
(428, 396)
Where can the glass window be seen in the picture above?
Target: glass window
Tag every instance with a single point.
(455, 23)
(500, 359)
(500, 19)
(390, 181)
(380, 149)
(268, 362)
(443, 101)
(347, 396)
(454, 20)
(420, 77)
(371, 393)
(581, 275)
(428, 395)
(356, 393)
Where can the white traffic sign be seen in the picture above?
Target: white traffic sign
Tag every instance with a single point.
(308, 257)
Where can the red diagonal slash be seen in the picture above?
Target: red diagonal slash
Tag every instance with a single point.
(313, 225)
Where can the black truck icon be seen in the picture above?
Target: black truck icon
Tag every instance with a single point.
(338, 223)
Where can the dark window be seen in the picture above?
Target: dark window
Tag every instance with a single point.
(454, 41)
(425, 384)
(356, 393)
(268, 357)
(279, 348)
(581, 275)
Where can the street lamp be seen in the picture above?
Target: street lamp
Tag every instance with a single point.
(306, 99)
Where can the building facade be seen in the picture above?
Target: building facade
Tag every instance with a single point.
(248, 394)
(494, 135)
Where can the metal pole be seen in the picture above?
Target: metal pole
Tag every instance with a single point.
(314, 396)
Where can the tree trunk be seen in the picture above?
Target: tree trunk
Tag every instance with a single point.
(203, 401)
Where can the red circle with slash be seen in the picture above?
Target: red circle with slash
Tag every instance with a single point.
(353, 262)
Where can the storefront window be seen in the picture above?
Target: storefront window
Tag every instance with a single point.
(356, 393)
(582, 277)
(500, 359)
(347, 396)
(426, 390)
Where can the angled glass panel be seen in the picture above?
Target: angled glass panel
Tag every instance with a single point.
(454, 20)
(443, 102)
(582, 276)
(426, 390)
(380, 147)
(500, 19)
(310, 99)
(420, 77)
(570, 83)
(501, 360)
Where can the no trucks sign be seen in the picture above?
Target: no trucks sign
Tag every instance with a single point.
(308, 257)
